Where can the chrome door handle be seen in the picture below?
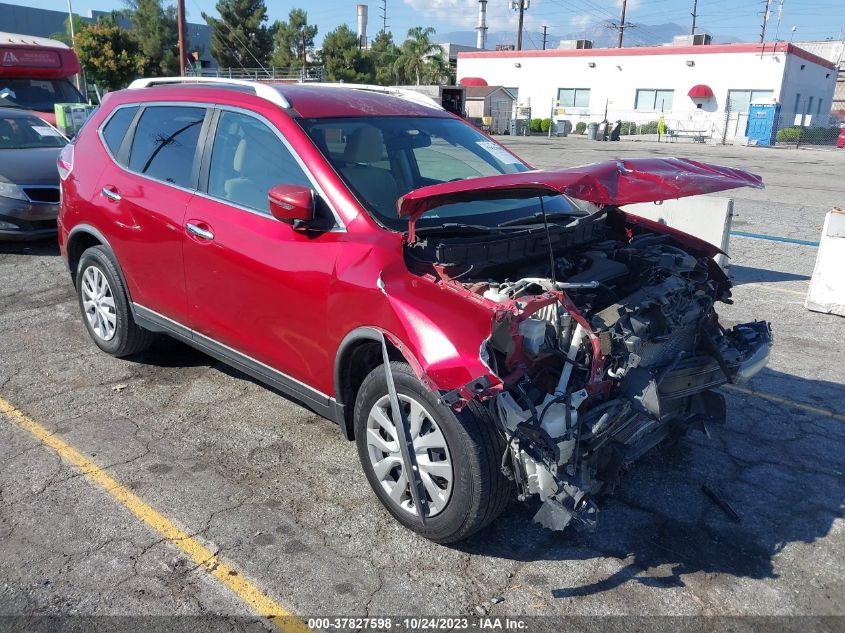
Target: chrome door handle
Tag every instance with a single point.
(199, 232)
(111, 195)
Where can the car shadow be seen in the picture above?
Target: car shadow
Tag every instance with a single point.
(749, 274)
(47, 247)
(779, 466)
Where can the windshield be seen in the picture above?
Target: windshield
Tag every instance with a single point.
(383, 158)
(37, 94)
(26, 132)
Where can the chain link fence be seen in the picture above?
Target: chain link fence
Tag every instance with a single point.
(725, 128)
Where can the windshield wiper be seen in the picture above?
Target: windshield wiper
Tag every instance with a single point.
(537, 218)
(454, 227)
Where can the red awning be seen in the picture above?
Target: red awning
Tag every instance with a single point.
(700, 92)
(472, 81)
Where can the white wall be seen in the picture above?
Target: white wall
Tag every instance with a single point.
(615, 79)
(813, 81)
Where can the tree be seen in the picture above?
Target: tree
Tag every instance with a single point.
(415, 53)
(111, 57)
(293, 40)
(154, 28)
(384, 54)
(343, 59)
(64, 36)
(240, 38)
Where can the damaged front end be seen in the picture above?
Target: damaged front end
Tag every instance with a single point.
(598, 353)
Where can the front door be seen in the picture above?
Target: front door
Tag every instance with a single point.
(254, 284)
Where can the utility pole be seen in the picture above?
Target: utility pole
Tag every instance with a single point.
(695, 15)
(545, 29)
(622, 23)
(765, 21)
(777, 27)
(519, 5)
(180, 25)
(73, 42)
(383, 11)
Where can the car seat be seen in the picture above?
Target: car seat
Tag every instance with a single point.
(377, 186)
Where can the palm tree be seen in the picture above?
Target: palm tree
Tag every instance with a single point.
(415, 53)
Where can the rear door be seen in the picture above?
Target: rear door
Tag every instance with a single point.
(146, 196)
(254, 283)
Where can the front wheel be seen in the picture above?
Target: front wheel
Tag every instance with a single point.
(458, 456)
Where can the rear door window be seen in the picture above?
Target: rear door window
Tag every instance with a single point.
(165, 143)
(116, 128)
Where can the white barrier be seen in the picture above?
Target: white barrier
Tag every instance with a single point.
(827, 286)
(705, 217)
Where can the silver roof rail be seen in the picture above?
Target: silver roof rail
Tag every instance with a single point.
(265, 91)
(402, 93)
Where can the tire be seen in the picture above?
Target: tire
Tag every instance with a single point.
(477, 492)
(116, 333)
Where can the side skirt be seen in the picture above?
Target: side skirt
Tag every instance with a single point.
(313, 399)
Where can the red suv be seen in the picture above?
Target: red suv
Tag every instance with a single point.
(481, 329)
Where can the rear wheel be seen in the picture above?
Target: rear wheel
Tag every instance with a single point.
(458, 457)
(104, 303)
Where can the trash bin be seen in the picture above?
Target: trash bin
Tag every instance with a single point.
(602, 131)
(563, 128)
(592, 131)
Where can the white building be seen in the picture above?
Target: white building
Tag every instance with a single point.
(701, 89)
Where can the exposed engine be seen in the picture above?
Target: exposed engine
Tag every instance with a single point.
(604, 349)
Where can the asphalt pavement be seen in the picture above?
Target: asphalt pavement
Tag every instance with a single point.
(276, 495)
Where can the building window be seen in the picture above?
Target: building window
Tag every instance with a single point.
(740, 100)
(797, 101)
(573, 97)
(819, 107)
(810, 105)
(654, 100)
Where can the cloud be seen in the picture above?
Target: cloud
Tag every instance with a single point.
(581, 22)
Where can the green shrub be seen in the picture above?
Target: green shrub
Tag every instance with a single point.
(648, 128)
(788, 135)
(535, 125)
(628, 127)
(580, 127)
(545, 124)
(816, 135)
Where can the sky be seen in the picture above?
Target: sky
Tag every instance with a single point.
(741, 19)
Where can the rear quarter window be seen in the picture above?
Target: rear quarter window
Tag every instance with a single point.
(116, 128)
(165, 143)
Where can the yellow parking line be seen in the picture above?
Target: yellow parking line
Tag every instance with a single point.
(233, 579)
(775, 289)
(779, 400)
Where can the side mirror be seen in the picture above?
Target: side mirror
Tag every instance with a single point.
(291, 204)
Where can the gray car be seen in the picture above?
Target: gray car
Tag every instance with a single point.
(29, 178)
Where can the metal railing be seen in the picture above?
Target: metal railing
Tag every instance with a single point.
(270, 73)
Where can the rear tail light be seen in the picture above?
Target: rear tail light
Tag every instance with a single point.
(65, 161)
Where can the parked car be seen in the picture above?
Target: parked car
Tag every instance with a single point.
(480, 329)
(29, 180)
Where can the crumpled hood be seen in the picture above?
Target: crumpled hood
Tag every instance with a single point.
(616, 182)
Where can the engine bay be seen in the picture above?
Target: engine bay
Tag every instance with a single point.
(606, 342)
